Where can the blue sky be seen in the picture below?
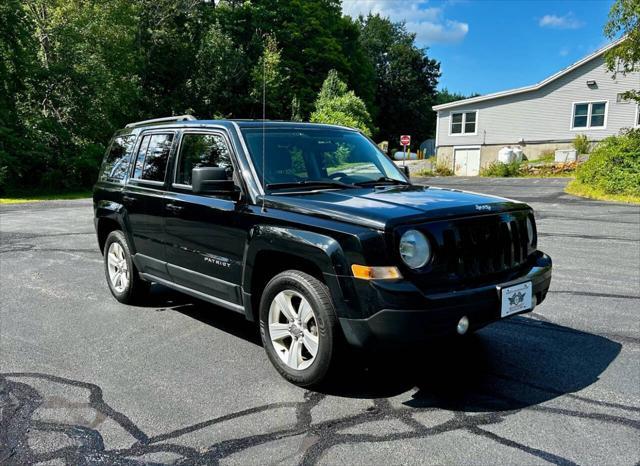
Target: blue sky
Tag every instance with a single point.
(491, 45)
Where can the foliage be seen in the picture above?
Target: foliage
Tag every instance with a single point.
(581, 144)
(268, 76)
(579, 189)
(296, 111)
(444, 97)
(501, 169)
(405, 80)
(337, 105)
(72, 72)
(546, 157)
(438, 170)
(552, 169)
(624, 18)
(614, 165)
(534, 169)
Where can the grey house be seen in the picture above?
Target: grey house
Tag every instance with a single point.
(581, 99)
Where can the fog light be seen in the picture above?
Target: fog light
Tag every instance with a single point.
(463, 325)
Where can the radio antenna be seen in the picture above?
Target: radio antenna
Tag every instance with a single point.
(264, 119)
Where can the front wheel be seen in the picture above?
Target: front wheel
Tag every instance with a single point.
(122, 276)
(299, 329)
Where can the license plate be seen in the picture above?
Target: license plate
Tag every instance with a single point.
(515, 299)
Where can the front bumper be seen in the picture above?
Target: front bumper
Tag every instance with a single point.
(439, 313)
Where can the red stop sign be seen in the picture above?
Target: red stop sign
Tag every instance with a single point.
(405, 139)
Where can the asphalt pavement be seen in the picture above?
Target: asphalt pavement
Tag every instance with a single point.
(86, 380)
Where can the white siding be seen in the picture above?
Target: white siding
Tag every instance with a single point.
(545, 114)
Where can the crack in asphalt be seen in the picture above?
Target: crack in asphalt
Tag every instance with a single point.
(594, 294)
(594, 237)
(19, 402)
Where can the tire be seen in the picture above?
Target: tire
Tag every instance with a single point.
(294, 287)
(130, 289)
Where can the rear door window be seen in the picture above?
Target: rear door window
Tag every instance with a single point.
(153, 154)
(116, 163)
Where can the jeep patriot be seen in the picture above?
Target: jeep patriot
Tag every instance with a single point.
(311, 231)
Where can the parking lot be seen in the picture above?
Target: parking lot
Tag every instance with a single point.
(84, 379)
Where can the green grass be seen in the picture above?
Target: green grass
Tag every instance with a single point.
(21, 198)
(578, 189)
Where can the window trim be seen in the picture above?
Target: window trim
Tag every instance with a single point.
(141, 136)
(183, 133)
(637, 120)
(464, 122)
(589, 110)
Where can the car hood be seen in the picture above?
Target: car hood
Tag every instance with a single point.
(386, 206)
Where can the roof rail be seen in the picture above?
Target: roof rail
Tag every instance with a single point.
(161, 120)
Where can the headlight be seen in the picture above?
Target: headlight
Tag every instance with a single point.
(530, 232)
(414, 249)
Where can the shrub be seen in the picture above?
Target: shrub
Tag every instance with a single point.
(581, 144)
(614, 165)
(501, 169)
(438, 170)
(547, 156)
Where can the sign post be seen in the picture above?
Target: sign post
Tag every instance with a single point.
(405, 140)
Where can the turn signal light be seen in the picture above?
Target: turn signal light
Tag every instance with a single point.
(375, 273)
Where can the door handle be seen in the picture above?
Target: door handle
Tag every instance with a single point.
(128, 199)
(174, 208)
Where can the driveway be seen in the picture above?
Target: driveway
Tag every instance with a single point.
(87, 380)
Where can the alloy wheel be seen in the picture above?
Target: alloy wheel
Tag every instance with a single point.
(118, 267)
(293, 329)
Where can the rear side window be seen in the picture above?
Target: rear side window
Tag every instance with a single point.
(201, 150)
(116, 163)
(153, 154)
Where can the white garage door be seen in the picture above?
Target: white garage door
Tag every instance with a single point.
(466, 161)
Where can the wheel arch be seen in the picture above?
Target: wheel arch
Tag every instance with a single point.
(273, 250)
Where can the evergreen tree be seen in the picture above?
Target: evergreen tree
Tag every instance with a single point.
(337, 105)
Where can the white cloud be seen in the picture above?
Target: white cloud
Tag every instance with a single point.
(568, 21)
(564, 51)
(427, 22)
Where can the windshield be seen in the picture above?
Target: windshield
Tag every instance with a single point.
(318, 158)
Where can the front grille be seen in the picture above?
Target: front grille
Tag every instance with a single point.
(476, 249)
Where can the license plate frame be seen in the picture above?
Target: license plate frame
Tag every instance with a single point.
(516, 298)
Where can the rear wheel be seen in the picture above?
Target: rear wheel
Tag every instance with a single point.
(298, 325)
(122, 276)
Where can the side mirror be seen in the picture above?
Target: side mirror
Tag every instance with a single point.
(406, 171)
(210, 180)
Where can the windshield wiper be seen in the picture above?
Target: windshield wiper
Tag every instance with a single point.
(310, 183)
(383, 179)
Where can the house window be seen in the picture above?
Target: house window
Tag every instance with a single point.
(589, 115)
(463, 123)
(638, 116)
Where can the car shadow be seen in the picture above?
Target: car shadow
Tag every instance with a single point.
(164, 299)
(511, 364)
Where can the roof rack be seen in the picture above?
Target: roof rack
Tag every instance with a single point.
(161, 120)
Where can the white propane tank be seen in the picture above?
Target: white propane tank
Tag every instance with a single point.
(506, 155)
(518, 154)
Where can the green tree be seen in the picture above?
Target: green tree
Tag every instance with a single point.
(337, 105)
(624, 19)
(267, 77)
(221, 70)
(296, 111)
(406, 79)
(444, 96)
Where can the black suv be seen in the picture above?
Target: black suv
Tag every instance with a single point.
(312, 231)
